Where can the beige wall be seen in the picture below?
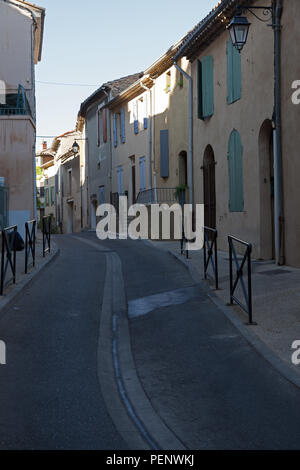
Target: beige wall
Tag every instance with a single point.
(246, 115)
(16, 165)
(136, 145)
(15, 41)
(171, 113)
(290, 67)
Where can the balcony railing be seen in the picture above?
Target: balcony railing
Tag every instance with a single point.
(160, 196)
(16, 104)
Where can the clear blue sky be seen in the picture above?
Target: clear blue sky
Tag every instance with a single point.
(93, 41)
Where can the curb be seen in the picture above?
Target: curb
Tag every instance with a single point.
(12, 296)
(261, 348)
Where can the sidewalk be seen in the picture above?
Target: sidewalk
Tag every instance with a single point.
(22, 280)
(276, 298)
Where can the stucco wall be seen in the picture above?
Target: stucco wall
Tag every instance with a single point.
(136, 145)
(98, 157)
(16, 165)
(171, 113)
(290, 67)
(246, 115)
(15, 41)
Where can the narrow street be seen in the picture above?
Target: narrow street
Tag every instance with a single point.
(205, 382)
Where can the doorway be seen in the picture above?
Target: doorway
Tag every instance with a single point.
(70, 217)
(183, 172)
(266, 168)
(209, 187)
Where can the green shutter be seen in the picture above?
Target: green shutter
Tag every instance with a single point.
(235, 164)
(199, 89)
(234, 74)
(208, 86)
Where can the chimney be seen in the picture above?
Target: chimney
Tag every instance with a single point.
(45, 145)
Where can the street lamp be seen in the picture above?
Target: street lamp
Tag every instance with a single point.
(238, 29)
(75, 147)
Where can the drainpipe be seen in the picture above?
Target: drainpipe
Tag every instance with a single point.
(150, 139)
(189, 78)
(278, 173)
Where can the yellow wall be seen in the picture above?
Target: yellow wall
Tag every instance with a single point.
(246, 115)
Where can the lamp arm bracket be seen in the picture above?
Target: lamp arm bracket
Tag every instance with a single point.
(267, 12)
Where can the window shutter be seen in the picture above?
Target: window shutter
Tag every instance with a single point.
(237, 74)
(164, 154)
(208, 86)
(235, 162)
(98, 127)
(115, 130)
(135, 117)
(234, 73)
(199, 86)
(123, 137)
(104, 125)
(229, 72)
(145, 123)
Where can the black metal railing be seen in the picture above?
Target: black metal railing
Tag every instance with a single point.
(30, 238)
(8, 256)
(46, 227)
(210, 253)
(240, 279)
(157, 196)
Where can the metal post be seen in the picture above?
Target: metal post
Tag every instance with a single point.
(250, 287)
(15, 254)
(230, 271)
(26, 248)
(2, 264)
(216, 261)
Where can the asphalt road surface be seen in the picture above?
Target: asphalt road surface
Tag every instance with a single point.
(205, 381)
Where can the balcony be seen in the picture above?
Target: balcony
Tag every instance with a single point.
(16, 104)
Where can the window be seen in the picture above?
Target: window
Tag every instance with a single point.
(235, 165)
(115, 130)
(101, 196)
(122, 126)
(136, 117)
(52, 192)
(164, 154)
(205, 87)
(99, 127)
(120, 180)
(143, 173)
(47, 196)
(234, 74)
(70, 182)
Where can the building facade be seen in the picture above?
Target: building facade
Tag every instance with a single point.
(21, 29)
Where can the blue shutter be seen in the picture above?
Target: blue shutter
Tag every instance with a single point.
(123, 136)
(208, 86)
(115, 131)
(199, 89)
(235, 164)
(234, 73)
(145, 123)
(164, 154)
(136, 126)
